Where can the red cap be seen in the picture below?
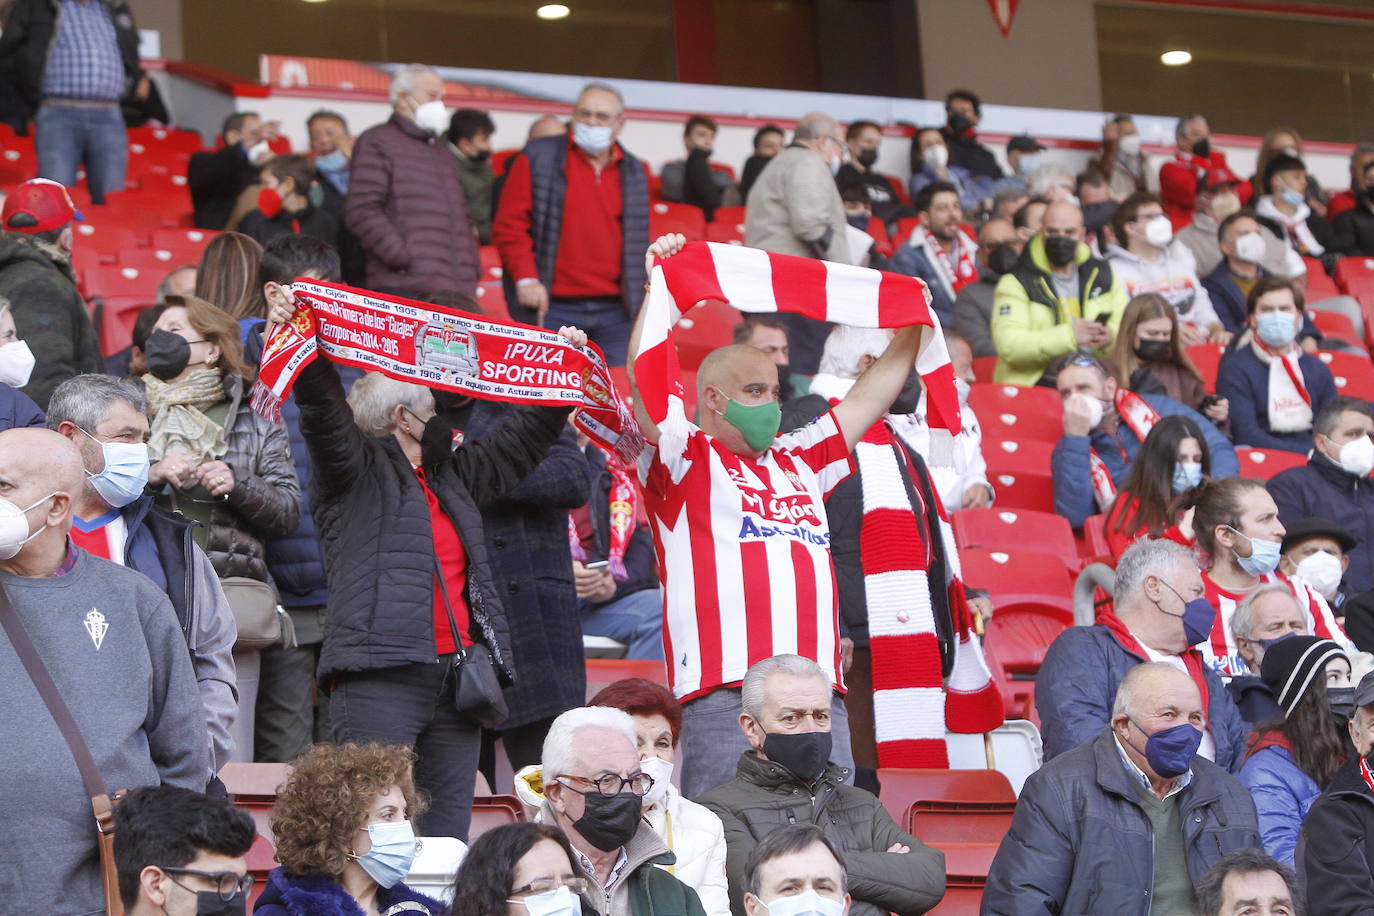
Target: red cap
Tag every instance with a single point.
(46, 201)
(1217, 177)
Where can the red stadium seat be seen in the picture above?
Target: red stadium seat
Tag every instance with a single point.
(1346, 268)
(1022, 633)
(1319, 285)
(703, 329)
(261, 860)
(491, 296)
(984, 367)
(116, 280)
(733, 215)
(722, 167)
(603, 671)
(899, 188)
(726, 233)
(1354, 374)
(905, 227)
(1335, 325)
(685, 218)
(1017, 455)
(1011, 530)
(253, 788)
(961, 899)
(990, 400)
(175, 138)
(136, 212)
(1022, 489)
(1263, 463)
(882, 242)
(491, 263)
(18, 162)
(148, 161)
(903, 789)
(1016, 577)
(155, 262)
(1095, 537)
(186, 245)
(1207, 358)
(117, 317)
(104, 239)
(492, 811)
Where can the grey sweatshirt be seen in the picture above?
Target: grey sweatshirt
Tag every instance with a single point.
(111, 642)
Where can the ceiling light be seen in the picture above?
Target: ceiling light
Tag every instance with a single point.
(553, 11)
(1176, 58)
(314, 1)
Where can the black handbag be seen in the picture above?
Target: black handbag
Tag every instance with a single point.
(477, 693)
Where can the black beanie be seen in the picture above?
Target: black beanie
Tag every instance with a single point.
(1291, 665)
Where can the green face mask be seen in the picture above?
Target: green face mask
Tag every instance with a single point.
(758, 422)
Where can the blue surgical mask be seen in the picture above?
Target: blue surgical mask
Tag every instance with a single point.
(1266, 643)
(1170, 751)
(333, 162)
(1198, 616)
(125, 474)
(1187, 474)
(1291, 197)
(392, 853)
(1277, 329)
(1264, 556)
(1028, 163)
(592, 138)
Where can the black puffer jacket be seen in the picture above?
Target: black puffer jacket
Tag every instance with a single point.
(375, 528)
(1335, 860)
(266, 499)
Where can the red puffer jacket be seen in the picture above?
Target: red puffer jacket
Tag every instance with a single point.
(407, 208)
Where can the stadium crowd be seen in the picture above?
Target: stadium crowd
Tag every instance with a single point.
(390, 579)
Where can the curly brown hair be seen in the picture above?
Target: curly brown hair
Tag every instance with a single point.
(326, 799)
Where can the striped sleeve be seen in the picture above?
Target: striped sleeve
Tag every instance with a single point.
(820, 446)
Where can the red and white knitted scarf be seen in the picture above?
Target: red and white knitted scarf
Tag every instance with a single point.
(759, 281)
(913, 704)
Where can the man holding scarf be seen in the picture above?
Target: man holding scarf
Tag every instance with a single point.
(939, 251)
(1104, 426)
(737, 510)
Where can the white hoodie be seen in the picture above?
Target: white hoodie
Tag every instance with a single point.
(1172, 275)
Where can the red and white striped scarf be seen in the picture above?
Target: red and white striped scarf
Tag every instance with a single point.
(913, 703)
(759, 281)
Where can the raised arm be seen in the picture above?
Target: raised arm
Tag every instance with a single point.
(663, 247)
(874, 392)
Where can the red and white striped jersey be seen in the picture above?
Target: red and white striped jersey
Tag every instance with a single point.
(1221, 651)
(104, 536)
(744, 551)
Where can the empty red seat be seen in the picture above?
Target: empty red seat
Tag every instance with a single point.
(1016, 422)
(117, 317)
(603, 671)
(960, 899)
(1335, 325)
(136, 210)
(156, 262)
(491, 262)
(703, 329)
(148, 161)
(18, 162)
(1030, 405)
(175, 138)
(105, 240)
(1263, 463)
(726, 233)
(732, 215)
(984, 367)
(1207, 358)
(1013, 455)
(1017, 576)
(1319, 285)
(1354, 374)
(1095, 537)
(1346, 268)
(491, 296)
(492, 811)
(1011, 530)
(1022, 633)
(905, 227)
(1020, 488)
(958, 789)
(186, 245)
(667, 217)
(253, 788)
(116, 280)
(882, 242)
(261, 860)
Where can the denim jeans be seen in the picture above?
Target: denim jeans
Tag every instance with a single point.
(636, 620)
(65, 138)
(711, 741)
(604, 320)
(413, 705)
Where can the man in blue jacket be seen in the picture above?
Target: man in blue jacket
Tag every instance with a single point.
(1335, 485)
(1104, 425)
(1131, 821)
(1160, 614)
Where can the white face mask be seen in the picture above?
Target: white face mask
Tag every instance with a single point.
(1159, 231)
(1250, 247)
(1130, 145)
(1322, 571)
(558, 902)
(16, 364)
(662, 772)
(257, 151)
(14, 526)
(432, 116)
(1095, 408)
(937, 156)
(1357, 456)
(807, 903)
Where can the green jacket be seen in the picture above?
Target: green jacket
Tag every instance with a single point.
(477, 179)
(764, 796)
(1031, 325)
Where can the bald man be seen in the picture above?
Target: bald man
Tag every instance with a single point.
(1057, 299)
(109, 639)
(1148, 819)
(738, 516)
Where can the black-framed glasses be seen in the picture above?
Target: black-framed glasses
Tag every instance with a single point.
(228, 884)
(612, 784)
(544, 885)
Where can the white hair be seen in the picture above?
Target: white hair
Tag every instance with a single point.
(599, 86)
(754, 691)
(1158, 557)
(375, 396)
(847, 346)
(814, 126)
(403, 80)
(1124, 704)
(1243, 619)
(559, 756)
(1039, 182)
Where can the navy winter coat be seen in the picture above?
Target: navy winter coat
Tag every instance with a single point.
(1080, 842)
(1244, 381)
(316, 895)
(1229, 302)
(1072, 466)
(1324, 490)
(18, 410)
(1076, 687)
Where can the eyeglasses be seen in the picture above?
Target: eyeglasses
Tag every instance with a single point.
(611, 785)
(228, 884)
(544, 885)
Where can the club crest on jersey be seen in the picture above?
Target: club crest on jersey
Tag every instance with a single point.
(794, 478)
(96, 627)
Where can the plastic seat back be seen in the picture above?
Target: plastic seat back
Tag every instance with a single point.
(1263, 463)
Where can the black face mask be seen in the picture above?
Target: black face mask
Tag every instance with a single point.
(1154, 351)
(1369, 194)
(167, 354)
(803, 754)
(1061, 250)
(858, 221)
(1341, 701)
(437, 442)
(867, 157)
(482, 155)
(909, 398)
(959, 125)
(209, 903)
(1002, 259)
(785, 381)
(610, 820)
(1203, 148)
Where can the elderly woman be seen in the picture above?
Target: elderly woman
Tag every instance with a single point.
(344, 839)
(219, 463)
(693, 833)
(519, 870)
(398, 510)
